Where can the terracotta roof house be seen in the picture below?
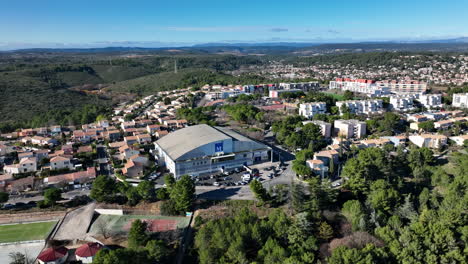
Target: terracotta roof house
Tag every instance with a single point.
(80, 177)
(86, 252)
(56, 255)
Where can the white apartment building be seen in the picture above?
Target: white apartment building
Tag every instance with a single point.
(431, 100)
(429, 140)
(350, 128)
(362, 106)
(306, 86)
(401, 103)
(325, 127)
(460, 100)
(403, 87)
(363, 86)
(223, 94)
(308, 110)
(277, 93)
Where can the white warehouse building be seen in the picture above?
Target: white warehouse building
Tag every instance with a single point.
(204, 149)
(308, 110)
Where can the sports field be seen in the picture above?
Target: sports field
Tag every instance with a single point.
(121, 223)
(25, 232)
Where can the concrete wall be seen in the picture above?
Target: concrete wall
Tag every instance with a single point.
(109, 211)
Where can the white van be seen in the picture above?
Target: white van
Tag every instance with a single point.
(246, 177)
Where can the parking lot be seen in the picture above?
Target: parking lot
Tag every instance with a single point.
(238, 176)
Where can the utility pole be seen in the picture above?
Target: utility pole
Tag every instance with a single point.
(175, 66)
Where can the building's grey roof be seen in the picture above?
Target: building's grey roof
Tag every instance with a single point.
(242, 143)
(179, 142)
(182, 141)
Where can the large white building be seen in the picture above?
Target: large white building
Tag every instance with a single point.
(363, 86)
(277, 93)
(305, 86)
(403, 87)
(401, 102)
(308, 110)
(431, 100)
(204, 149)
(460, 100)
(350, 128)
(373, 106)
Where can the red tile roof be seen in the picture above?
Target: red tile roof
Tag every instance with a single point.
(88, 250)
(52, 254)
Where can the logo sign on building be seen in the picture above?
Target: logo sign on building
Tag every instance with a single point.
(219, 147)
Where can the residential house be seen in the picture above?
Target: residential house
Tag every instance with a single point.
(144, 139)
(78, 177)
(460, 140)
(443, 124)
(318, 167)
(428, 140)
(60, 162)
(131, 140)
(326, 156)
(127, 151)
(162, 133)
(132, 169)
(379, 142)
(152, 129)
(24, 166)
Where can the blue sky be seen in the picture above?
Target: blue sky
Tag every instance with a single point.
(33, 23)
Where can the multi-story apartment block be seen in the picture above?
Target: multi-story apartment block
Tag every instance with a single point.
(308, 110)
(350, 128)
(403, 87)
(401, 103)
(460, 100)
(277, 93)
(431, 100)
(305, 86)
(364, 86)
(362, 106)
(325, 127)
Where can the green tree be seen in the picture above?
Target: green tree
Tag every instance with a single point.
(427, 126)
(367, 255)
(52, 195)
(157, 250)
(354, 212)
(183, 193)
(146, 190)
(4, 197)
(103, 187)
(137, 236)
(259, 191)
(383, 197)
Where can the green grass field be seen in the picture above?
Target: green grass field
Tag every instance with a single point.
(25, 232)
(116, 223)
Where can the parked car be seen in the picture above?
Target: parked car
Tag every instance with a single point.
(215, 183)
